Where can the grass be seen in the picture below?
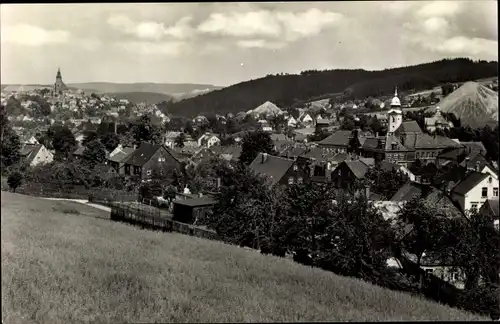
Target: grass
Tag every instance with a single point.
(67, 268)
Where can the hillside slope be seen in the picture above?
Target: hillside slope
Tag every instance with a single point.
(286, 90)
(165, 88)
(63, 263)
(473, 103)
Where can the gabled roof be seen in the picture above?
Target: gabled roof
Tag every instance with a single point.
(409, 126)
(474, 146)
(491, 206)
(370, 143)
(274, 167)
(339, 138)
(408, 191)
(294, 151)
(143, 154)
(425, 141)
(469, 182)
(358, 168)
(318, 154)
(471, 161)
(121, 155)
(450, 154)
(30, 151)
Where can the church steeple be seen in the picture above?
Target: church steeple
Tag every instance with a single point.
(59, 86)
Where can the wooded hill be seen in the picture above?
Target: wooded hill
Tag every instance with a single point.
(286, 89)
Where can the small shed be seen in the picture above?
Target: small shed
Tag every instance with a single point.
(190, 211)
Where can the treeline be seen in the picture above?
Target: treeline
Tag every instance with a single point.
(286, 90)
(342, 232)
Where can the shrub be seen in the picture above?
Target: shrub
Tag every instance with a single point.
(14, 180)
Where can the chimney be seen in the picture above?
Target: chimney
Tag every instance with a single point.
(218, 183)
(116, 127)
(367, 191)
(376, 134)
(264, 157)
(478, 166)
(200, 195)
(135, 146)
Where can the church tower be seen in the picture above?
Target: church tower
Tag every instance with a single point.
(59, 86)
(395, 115)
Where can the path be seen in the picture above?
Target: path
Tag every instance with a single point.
(82, 201)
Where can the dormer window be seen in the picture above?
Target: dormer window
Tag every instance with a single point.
(295, 167)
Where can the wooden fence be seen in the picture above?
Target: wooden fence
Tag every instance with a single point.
(150, 219)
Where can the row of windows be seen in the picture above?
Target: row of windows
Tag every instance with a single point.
(291, 180)
(484, 192)
(425, 154)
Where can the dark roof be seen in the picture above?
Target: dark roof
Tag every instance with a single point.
(196, 202)
(409, 126)
(469, 182)
(370, 143)
(387, 166)
(451, 153)
(79, 151)
(143, 154)
(293, 152)
(473, 158)
(120, 156)
(358, 168)
(339, 138)
(408, 191)
(491, 206)
(318, 154)
(274, 167)
(424, 141)
(29, 151)
(474, 146)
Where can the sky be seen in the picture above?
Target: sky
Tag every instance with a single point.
(228, 43)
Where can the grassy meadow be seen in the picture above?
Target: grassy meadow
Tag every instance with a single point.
(64, 262)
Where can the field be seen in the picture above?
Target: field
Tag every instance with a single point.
(64, 262)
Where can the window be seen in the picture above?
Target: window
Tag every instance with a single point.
(148, 172)
(161, 159)
(495, 192)
(394, 146)
(295, 167)
(484, 192)
(473, 205)
(290, 180)
(300, 180)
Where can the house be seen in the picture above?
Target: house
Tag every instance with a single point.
(279, 170)
(490, 209)
(208, 140)
(347, 172)
(338, 142)
(117, 157)
(29, 140)
(306, 119)
(433, 196)
(170, 138)
(473, 191)
(202, 154)
(387, 166)
(322, 124)
(474, 146)
(291, 122)
(231, 153)
(147, 157)
(190, 211)
(36, 154)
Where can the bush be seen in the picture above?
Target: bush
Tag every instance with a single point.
(14, 180)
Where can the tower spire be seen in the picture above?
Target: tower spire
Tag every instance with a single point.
(396, 92)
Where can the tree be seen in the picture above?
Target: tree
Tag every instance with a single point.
(253, 144)
(143, 130)
(110, 141)
(94, 153)
(385, 183)
(179, 140)
(89, 136)
(63, 141)
(175, 124)
(10, 144)
(278, 122)
(14, 180)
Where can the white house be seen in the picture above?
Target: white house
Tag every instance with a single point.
(35, 154)
(475, 189)
(488, 169)
(306, 119)
(208, 140)
(30, 140)
(291, 122)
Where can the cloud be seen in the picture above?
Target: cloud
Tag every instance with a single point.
(436, 25)
(440, 8)
(29, 35)
(471, 46)
(150, 30)
(260, 43)
(289, 26)
(260, 23)
(173, 48)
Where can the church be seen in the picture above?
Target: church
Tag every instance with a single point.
(405, 141)
(59, 86)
